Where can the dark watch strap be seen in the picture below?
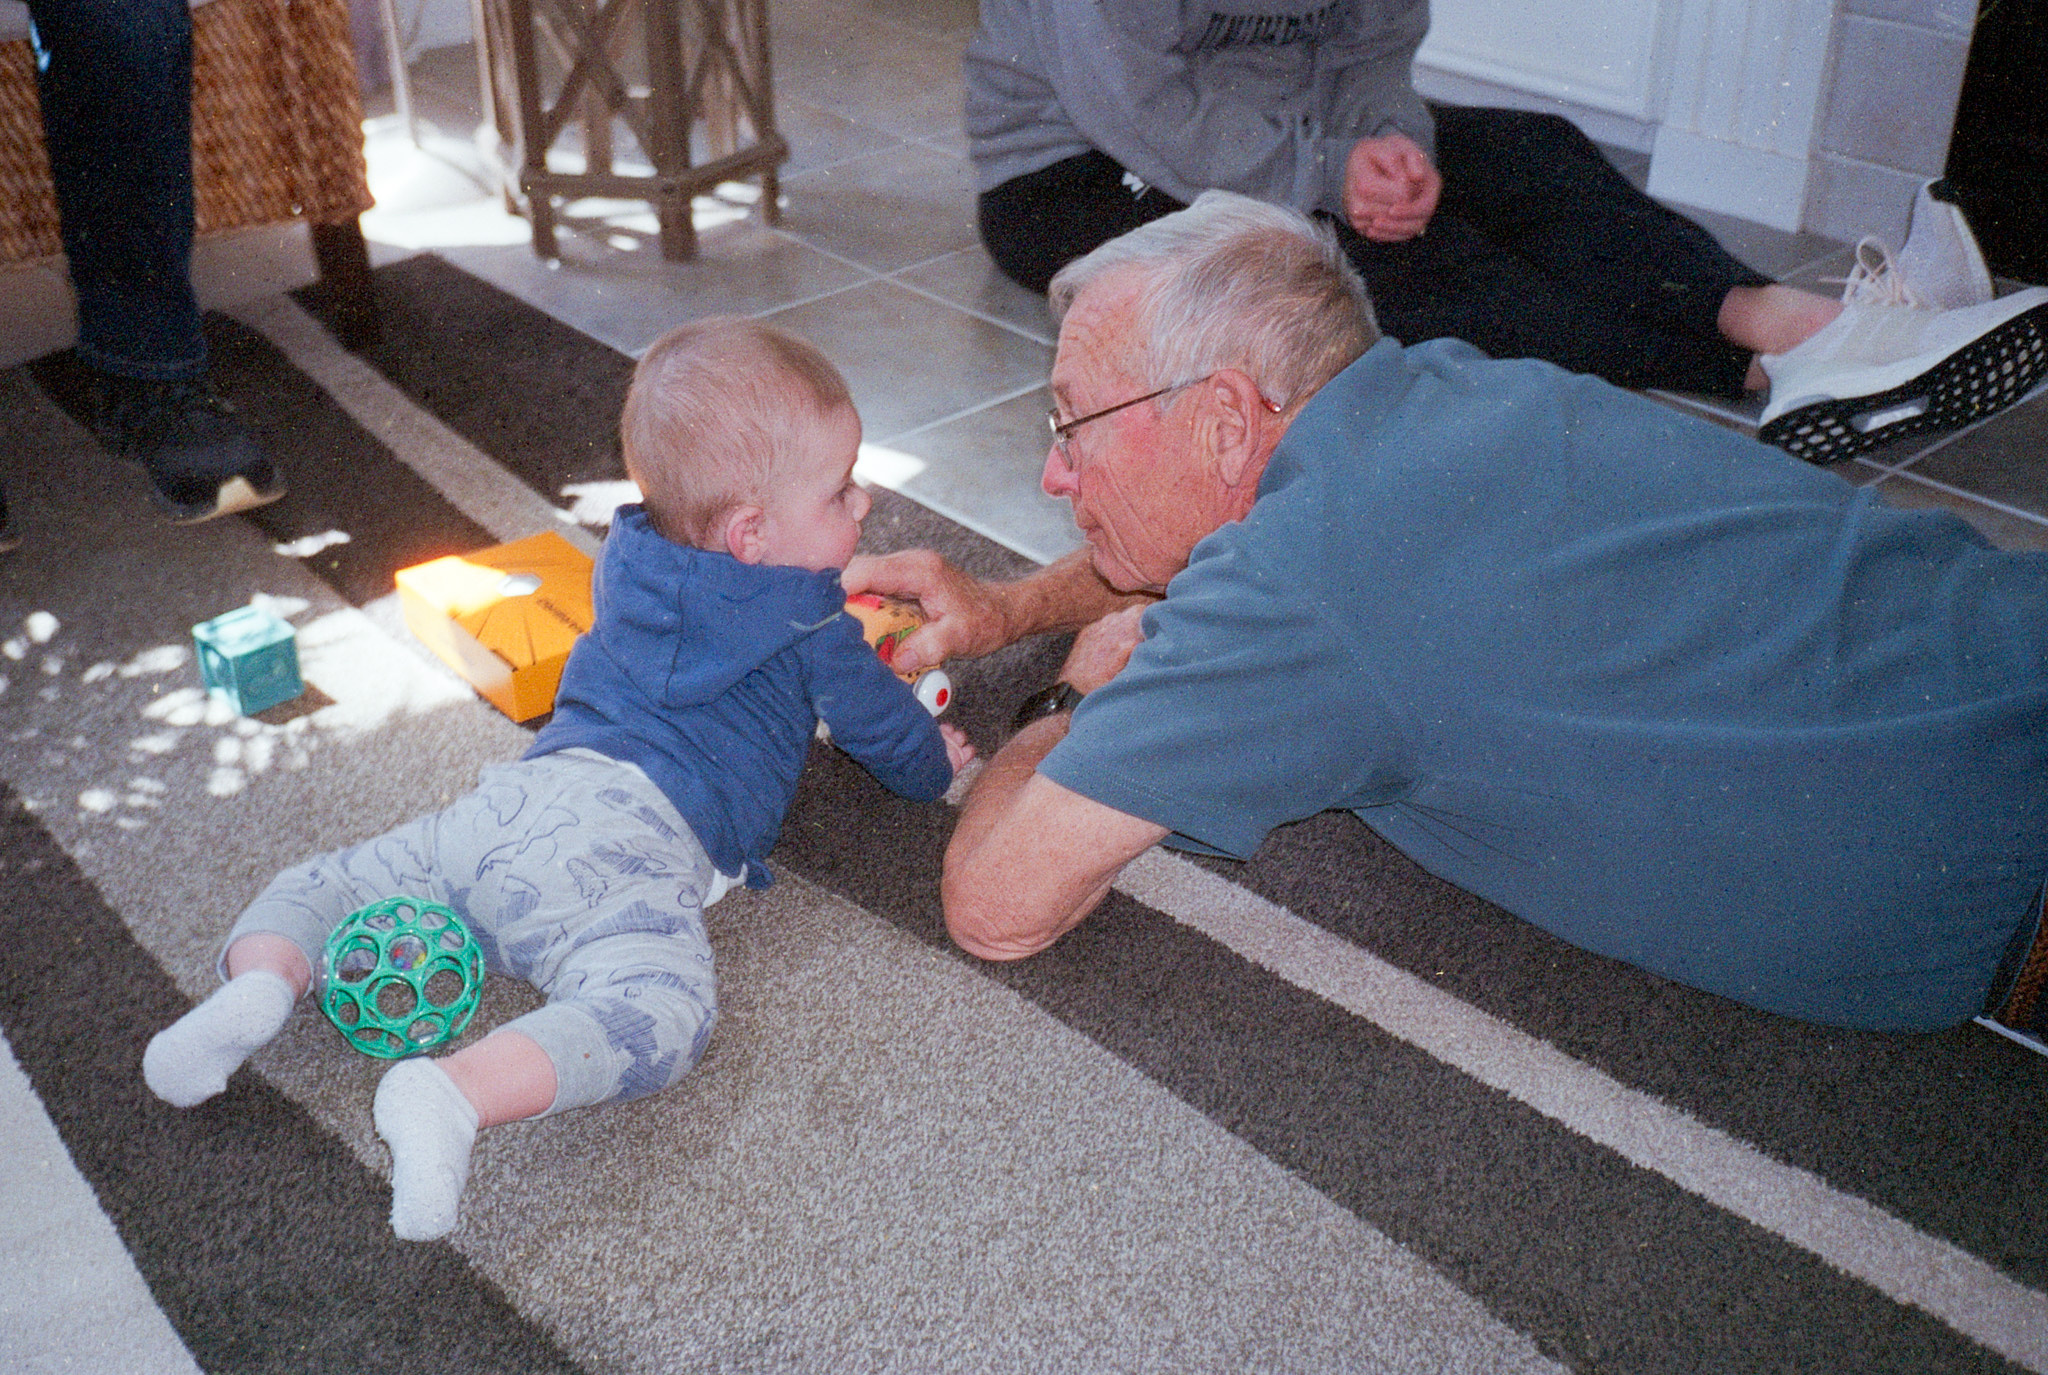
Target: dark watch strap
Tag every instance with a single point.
(1047, 702)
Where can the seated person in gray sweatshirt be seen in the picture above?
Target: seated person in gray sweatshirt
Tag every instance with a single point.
(684, 717)
(1507, 229)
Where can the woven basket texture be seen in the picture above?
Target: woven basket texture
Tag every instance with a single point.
(277, 125)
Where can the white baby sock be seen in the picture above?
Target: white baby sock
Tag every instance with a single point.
(190, 1060)
(430, 1128)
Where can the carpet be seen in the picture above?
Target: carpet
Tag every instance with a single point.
(1313, 1112)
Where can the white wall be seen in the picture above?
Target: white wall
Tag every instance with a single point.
(1801, 114)
(1599, 62)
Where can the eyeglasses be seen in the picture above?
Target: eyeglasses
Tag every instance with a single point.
(1063, 430)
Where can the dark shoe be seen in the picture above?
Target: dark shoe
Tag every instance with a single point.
(202, 459)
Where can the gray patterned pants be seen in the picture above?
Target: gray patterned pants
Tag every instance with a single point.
(576, 874)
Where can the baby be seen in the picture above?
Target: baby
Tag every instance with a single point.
(683, 719)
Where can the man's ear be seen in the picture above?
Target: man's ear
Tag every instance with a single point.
(1238, 416)
(746, 533)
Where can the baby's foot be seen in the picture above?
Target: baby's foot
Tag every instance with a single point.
(430, 1128)
(190, 1060)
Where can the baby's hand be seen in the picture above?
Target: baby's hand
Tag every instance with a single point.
(958, 751)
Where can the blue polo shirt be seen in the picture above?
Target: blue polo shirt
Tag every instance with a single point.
(1664, 691)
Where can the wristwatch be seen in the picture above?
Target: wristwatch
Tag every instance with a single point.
(1047, 702)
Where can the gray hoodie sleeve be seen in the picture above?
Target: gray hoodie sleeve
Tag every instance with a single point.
(1266, 100)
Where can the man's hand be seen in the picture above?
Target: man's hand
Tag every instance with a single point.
(959, 752)
(1101, 651)
(962, 615)
(965, 616)
(1390, 188)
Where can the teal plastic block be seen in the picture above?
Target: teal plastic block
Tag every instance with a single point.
(251, 656)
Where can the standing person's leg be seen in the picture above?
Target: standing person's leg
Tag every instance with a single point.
(1036, 224)
(114, 78)
(115, 82)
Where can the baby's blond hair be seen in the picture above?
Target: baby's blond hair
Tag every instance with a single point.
(716, 409)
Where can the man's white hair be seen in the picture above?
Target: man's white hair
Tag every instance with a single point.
(1232, 282)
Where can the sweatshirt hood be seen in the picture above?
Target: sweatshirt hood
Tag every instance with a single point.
(685, 624)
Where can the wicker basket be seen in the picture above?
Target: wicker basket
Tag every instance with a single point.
(277, 125)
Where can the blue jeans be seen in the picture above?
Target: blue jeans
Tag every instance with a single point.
(115, 81)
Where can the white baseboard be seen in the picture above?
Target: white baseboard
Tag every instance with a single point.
(1602, 126)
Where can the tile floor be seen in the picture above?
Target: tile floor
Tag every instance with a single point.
(876, 258)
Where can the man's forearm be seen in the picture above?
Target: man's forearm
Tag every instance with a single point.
(1064, 595)
(996, 903)
(996, 786)
(1030, 859)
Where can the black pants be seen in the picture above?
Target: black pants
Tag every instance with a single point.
(1538, 249)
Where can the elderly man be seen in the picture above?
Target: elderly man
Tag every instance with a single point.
(1657, 688)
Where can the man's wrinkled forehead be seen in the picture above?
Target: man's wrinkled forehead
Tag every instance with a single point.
(1098, 342)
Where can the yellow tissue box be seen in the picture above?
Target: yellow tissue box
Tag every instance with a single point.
(504, 617)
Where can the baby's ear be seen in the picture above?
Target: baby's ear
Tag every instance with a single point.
(744, 533)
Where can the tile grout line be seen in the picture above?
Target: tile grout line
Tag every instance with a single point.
(969, 311)
(1001, 399)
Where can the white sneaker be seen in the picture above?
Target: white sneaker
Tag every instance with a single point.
(1882, 371)
(1942, 266)
(1875, 279)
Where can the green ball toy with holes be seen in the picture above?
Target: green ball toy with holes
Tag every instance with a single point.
(401, 976)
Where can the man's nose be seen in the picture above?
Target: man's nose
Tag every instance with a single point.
(1058, 480)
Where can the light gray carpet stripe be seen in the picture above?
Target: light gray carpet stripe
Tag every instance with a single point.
(73, 1300)
(1856, 1237)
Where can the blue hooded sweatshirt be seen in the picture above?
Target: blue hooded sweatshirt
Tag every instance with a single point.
(711, 675)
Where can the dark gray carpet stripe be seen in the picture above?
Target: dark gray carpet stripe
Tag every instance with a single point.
(291, 1269)
(1616, 1268)
(538, 396)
